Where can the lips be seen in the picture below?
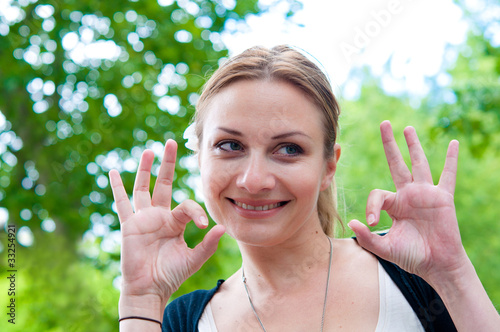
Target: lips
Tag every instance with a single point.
(258, 207)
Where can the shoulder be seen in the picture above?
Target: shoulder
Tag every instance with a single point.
(350, 250)
(355, 264)
(183, 313)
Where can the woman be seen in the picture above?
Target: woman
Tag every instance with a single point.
(266, 126)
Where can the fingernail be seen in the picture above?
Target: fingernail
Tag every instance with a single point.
(204, 221)
(371, 219)
(349, 225)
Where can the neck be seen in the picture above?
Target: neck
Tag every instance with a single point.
(288, 265)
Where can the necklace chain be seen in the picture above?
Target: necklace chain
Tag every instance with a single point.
(244, 279)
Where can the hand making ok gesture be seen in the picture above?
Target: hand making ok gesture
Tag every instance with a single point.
(424, 238)
(155, 259)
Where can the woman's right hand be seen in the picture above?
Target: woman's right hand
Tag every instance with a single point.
(155, 258)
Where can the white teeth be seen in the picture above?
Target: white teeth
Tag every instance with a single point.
(257, 208)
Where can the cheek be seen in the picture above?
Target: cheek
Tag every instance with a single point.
(307, 185)
(215, 180)
(214, 177)
(207, 188)
(311, 188)
(208, 192)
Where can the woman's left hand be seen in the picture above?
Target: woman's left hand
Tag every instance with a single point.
(424, 238)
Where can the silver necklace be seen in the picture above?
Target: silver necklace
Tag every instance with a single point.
(244, 279)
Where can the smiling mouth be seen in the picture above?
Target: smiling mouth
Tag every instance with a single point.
(258, 208)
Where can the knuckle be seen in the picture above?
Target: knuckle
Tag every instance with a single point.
(165, 181)
(375, 192)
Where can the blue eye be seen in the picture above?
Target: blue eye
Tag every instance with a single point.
(290, 150)
(230, 146)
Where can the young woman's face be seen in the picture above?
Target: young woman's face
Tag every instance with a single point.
(262, 161)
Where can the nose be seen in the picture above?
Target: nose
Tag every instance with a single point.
(256, 175)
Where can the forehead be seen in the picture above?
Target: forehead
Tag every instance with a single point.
(263, 104)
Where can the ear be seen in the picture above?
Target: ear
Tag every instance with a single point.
(331, 167)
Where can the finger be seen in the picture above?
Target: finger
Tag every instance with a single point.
(378, 200)
(448, 178)
(123, 206)
(400, 173)
(419, 164)
(187, 211)
(162, 193)
(142, 197)
(203, 251)
(368, 240)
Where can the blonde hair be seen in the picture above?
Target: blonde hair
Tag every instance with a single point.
(285, 64)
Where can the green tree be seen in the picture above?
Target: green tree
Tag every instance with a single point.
(85, 87)
(470, 105)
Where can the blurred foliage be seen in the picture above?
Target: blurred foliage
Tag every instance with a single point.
(86, 86)
(470, 105)
(55, 291)
(473, 107)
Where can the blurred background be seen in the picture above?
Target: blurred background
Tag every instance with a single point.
(86, 86)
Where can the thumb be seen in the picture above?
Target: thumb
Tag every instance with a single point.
(204, 250)
(368, 240)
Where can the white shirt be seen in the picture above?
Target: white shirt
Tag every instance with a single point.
(395, 313)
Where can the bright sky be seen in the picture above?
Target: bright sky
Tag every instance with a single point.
(344, 35)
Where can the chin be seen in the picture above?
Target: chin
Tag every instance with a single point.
(258, 235)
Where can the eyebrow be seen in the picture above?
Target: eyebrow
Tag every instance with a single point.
(230, 131)
(291, 133)
(280, 136)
